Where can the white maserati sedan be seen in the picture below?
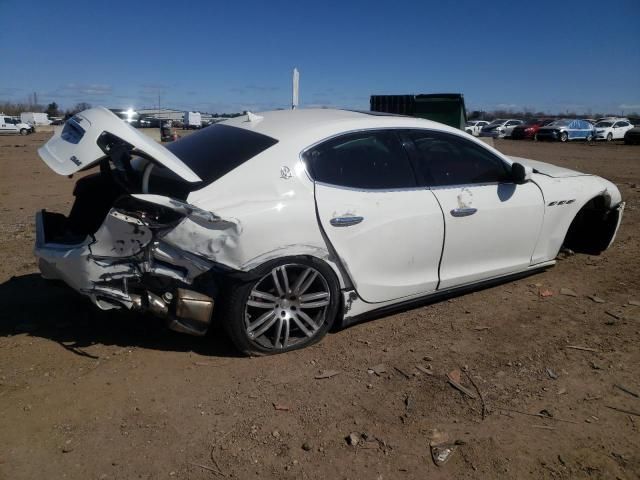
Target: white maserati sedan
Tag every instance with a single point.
(283, 224)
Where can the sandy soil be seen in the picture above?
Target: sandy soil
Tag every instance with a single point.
(92, 395)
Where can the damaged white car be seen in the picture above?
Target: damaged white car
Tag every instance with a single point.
(291, 221)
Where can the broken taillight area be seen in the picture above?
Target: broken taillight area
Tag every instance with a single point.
(111, 249)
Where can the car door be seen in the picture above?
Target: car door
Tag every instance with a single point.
(510, 125)
(491, 224)
(387, 231)
(619, 129)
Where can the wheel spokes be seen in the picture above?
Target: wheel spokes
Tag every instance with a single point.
(260, 321)
(308, 319)
(276, 282)
(307, 283)
(296, 288)
(282, 296)
(314, 296)
(285, 277)
(259, 304)
(267, 325)
(301, 326)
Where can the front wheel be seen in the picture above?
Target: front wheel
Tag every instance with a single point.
(564, 137)
(292, 304)
(609, 137)
(23, 131)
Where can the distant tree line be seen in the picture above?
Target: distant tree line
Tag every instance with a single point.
(52, 109)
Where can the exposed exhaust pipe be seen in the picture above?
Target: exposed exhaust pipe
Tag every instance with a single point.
(186, 311)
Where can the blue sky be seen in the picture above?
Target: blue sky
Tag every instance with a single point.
(235, 55)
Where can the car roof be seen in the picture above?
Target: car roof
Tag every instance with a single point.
(309, 123)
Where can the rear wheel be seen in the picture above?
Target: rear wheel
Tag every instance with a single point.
(564, 137)
(535, 137)
(292, 304)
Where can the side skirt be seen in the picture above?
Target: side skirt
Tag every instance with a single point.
(435, 296)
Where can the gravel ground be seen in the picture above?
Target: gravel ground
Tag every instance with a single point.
(93, 395)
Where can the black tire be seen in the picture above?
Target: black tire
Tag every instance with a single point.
(564, 137)
(609, 136)
(23, 131)
(469, 132)
(238, 313)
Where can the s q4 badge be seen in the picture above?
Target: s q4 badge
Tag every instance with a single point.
(285, 172)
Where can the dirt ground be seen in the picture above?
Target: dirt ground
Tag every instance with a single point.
(92, 395)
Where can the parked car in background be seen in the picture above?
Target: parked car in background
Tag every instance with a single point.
(632, 136)
(204, 224)
(613, 129)
(566, 129)
(500, 128)
(530, 129)
(12, 125)
(473, 127)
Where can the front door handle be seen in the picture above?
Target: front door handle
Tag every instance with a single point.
(463, 212)
(345, 221)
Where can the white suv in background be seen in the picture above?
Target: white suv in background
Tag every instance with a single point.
(612, 129)
(13, 125)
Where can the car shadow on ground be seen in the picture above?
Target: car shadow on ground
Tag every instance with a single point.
(51, 310)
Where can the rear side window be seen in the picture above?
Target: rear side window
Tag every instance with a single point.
(367, 160)
(446, 159)
(216, 150)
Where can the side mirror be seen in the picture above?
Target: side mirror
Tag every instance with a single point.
(520, 173)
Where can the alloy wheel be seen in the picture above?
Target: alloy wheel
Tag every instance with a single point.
(287, 306)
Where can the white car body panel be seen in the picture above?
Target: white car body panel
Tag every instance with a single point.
(265, 209)
(407, 241)
(493, 240)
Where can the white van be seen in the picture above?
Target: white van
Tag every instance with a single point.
(13, 125)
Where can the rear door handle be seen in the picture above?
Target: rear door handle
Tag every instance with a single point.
(345, 221)
(463, 212)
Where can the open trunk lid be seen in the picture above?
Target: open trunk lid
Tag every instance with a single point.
(76, 147)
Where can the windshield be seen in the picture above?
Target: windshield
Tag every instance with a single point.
(216, 150)
(471, 124)
(604, 124)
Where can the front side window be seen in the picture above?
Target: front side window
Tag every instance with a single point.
(446, 159)
(367, 160)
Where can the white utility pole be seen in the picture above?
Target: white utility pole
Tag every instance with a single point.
(296, 85)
